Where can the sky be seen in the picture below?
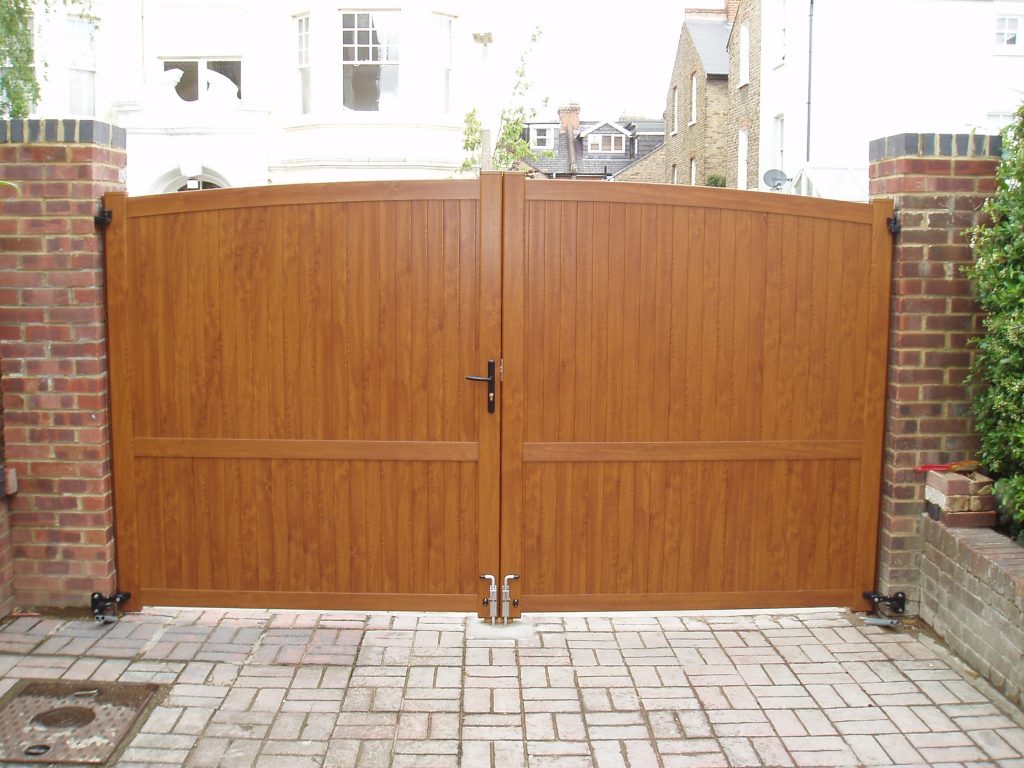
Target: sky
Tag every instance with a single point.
(610, 58)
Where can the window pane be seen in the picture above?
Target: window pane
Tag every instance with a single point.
(188, 85)
(83, 92)
(224, 74)
(348, 37)
(306, 90)
(303, 40)
(369, 87)
(81, 43)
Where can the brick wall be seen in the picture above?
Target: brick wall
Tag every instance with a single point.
(649, 168)
(52, 344)
(706, 140)
(6, 560)
(939, 183)
(972, 595)
(745, 100)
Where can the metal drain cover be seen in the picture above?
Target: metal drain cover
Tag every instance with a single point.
(71, 723)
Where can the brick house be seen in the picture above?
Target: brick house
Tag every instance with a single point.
(594, 150)
(697, 111)
(772, 86)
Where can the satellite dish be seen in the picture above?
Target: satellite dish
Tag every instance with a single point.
(775, 178)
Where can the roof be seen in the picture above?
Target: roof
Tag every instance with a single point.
(710, 39)
(649, 126)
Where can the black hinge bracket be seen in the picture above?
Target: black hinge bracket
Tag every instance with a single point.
(104, 217)
(893, 223)
(104, 609)
(897, 601)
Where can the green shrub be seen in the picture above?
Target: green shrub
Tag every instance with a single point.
(716, 180)
(997, 374)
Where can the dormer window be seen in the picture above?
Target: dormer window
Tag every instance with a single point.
(542, 137)
(606, 142)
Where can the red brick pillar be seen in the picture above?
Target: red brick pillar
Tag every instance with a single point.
(939, 183)
(53, 348)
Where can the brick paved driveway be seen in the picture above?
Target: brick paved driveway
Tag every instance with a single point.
(274, 688)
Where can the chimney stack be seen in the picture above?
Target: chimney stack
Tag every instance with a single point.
(569, 118)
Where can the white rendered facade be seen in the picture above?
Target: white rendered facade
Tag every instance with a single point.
(880, 67)
(236, 93)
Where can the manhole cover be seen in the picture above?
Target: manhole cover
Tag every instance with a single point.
(71, 723)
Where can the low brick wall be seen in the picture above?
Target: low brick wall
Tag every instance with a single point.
(972, 595)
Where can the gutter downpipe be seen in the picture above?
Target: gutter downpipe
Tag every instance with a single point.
(810, 59)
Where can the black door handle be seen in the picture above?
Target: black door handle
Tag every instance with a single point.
(489, 378)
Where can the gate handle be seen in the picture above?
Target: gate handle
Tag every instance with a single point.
(489, 378)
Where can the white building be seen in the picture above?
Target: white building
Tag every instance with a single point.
(237, 93)
(878, 68)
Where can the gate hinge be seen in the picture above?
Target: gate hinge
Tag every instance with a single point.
(897, 601)
(104, 217)
(893, 223)
(104, 609)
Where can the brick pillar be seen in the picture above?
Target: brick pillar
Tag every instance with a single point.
(54, 357)
(939, 183)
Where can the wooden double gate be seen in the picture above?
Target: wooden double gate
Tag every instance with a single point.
(688, 412)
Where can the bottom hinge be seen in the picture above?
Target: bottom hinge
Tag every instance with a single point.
(896, 601)
(105, 609)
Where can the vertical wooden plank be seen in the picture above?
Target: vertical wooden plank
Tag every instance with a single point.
(434, 574)
(754, 370)
(456, 388)
(546, 406)
(741, 393)
(278, 501)
(770, 429)
(708, 345)
(202, 496)
(291, 324)
(567, 514)
(694, 304)
(502, 267)
(833, 352)
(725, 349)
(355, 322)
(337, 272)
(358, 543)
(149, 493)
(343, 514)
(877, 331)
(119, 290)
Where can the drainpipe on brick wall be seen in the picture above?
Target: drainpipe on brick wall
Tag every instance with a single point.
(810, 59)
